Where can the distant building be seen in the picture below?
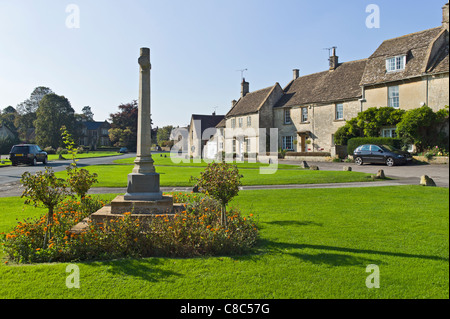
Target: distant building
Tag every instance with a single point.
(94, 134)
(201, 129)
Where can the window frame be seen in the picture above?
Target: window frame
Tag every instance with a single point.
(285, 143)
(287, 116)
(396, 63)
(337, 112)
(394, 96)
(303, 111)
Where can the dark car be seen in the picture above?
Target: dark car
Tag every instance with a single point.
(27, 154)
(385, 154)
(123, 150)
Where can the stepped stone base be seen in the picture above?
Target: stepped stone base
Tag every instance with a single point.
(138, 209)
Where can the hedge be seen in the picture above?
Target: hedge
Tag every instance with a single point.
(357, 141)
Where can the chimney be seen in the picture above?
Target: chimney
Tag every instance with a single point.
(214, 113)
(334, 60)
(445, 16)
(296, 73)
(244, 87)
(233, 103)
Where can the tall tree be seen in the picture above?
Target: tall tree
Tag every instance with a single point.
(26, 112)
(87, 115)
(54, 111)
(123, 132)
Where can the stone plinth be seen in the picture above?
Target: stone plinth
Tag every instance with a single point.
(143, 187)
(120, 205)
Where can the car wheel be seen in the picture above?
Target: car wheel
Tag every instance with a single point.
(34, 162)
(358, 161)
(45, 161)
(390, 162)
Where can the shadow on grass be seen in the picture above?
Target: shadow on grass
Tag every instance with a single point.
(146, 269)
(293, 223)
(336, 257)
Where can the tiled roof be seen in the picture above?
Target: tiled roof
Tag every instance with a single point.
(328, 86)
(251, 102)
(207, 121)
(416, 47)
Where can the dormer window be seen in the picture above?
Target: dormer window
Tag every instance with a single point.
(396, 63)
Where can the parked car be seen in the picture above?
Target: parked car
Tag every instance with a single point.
(388, 155)
(27, 154)
(123, 150)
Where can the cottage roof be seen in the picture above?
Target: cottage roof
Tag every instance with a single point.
(251, 102)
(417, 47)
(207, 121)
(328, 86)
(92, 126)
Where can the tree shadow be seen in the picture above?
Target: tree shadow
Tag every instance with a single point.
(146, 269)
(336, 256)
(294, 223)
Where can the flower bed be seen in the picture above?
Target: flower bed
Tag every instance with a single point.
(196, 231)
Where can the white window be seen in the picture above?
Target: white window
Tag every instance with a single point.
(247, 145)
(304, 114)
(389, 132)
(288, 143)
(396, 63)
(249, 121)
(233, 123)
(287, 116)
(393, 97)
(339, 111)
(234, 145)
(241, 122)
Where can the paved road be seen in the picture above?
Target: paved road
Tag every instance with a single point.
(402, 175)
(10, 175)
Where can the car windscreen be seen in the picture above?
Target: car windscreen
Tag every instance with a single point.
(388, 148)
(19, 149)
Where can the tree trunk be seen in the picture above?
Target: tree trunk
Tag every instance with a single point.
(48, 232)
(224, 216)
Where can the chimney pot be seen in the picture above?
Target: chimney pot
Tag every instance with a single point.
(296, 73)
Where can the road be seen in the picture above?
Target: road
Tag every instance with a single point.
(10, 175)
(402, 175)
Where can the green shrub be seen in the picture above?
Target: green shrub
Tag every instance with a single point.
(357, 141)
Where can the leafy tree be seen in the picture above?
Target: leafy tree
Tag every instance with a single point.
(220, 181)
(368, 123)
(123, 132)
(54, 112)
(44, 188)
(32, 104)
(79, 180)
(163, 136)
(420, 127)
(87, 115)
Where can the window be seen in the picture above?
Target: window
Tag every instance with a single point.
(339, 111)
(388, 132)
(287, 116)
(374, 148)
(304, 114)
(393, 97)
(234, 145)
(233, 123)
(241, 122)
(288, 143)
(247, 145)
(396, 63)
(249, 121)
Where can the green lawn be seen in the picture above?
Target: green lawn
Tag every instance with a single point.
(116, 176)
(315, 243)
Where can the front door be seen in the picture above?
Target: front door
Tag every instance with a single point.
(303, 143)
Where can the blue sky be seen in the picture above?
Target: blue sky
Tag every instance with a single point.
(196, 46)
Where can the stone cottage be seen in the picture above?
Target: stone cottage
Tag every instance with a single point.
(201, 129)
(248, 123)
